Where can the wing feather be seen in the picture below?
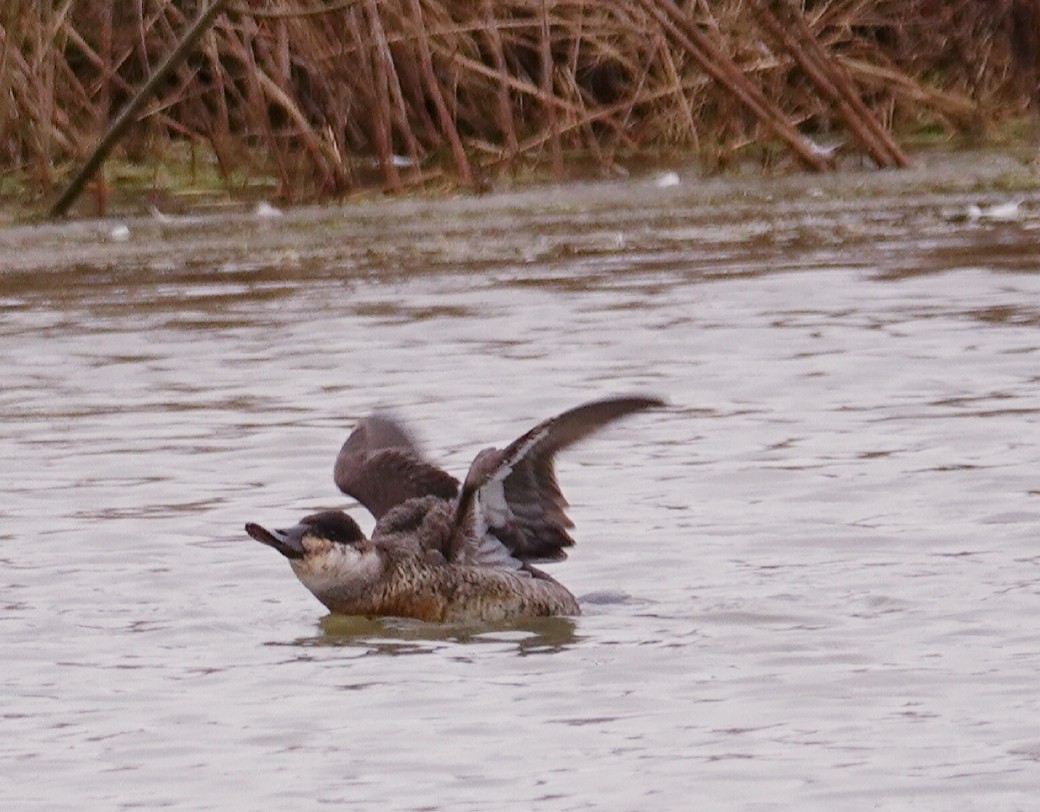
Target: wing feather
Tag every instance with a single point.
(381, 466)
(511, 500)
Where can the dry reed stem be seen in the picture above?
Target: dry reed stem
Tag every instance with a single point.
(438, 97)
(381, 125)
(503, 109)
(787, 26)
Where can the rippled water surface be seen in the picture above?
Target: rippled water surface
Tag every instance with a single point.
(812, 583)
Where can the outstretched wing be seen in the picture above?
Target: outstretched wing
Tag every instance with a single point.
(381, 466)
(511, 506)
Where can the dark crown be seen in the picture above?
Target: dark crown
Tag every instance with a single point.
(334, 525)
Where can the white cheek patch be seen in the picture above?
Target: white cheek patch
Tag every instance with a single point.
(336, 567)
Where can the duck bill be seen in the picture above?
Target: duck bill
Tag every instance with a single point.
(287, 542)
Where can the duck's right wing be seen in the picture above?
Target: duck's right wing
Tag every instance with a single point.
(511, 509)
(381, 466)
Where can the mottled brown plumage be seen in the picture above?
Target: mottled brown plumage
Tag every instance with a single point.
(435, 555)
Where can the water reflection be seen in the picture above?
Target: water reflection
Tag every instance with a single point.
(397, 636)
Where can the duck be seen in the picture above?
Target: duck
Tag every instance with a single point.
(444, 551)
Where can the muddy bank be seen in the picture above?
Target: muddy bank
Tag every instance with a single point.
(630, 215)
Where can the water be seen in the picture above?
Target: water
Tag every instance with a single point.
(813, 581)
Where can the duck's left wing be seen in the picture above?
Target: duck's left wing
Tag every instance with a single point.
(511, 510)
(381, 466)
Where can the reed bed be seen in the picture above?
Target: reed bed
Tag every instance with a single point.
(329, 96)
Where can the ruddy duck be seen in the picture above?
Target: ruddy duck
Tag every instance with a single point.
(439, 553)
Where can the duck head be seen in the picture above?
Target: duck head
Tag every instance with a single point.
(313, 535)
(329, 554)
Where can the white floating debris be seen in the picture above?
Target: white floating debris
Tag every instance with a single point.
(1001, 212)
(402, 161)
(667, 179)
(823, 150)
(119, 233)
(265, 209)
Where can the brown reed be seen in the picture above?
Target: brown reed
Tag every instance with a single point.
(328, 96)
